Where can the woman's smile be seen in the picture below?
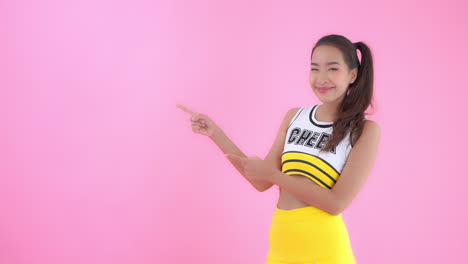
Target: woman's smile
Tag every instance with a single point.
(324, 89)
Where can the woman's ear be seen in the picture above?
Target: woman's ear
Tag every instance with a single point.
(354, 75)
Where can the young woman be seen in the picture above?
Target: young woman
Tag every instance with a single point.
(320, 159)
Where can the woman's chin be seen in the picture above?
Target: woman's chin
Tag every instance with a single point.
(324, 99)
(327, 98)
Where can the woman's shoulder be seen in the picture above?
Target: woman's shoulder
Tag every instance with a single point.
(371, 128)
(294, 110)
(371, 123)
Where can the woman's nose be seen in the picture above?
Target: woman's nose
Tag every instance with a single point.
(322, 77)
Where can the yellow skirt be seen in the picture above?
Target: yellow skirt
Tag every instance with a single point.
(308, 235)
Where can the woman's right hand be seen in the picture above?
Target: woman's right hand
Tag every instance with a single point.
(201, 123)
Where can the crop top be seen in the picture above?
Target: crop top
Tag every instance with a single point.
(305, 137)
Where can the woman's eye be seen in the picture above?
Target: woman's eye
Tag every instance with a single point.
(330, 69)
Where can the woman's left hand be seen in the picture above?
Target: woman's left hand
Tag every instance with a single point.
(255, 168)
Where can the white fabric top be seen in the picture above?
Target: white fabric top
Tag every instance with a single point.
(306, 136)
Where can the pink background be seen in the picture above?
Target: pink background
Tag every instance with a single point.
(99, 166)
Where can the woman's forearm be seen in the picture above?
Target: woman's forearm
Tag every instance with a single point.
(308, 191)
(226, 145)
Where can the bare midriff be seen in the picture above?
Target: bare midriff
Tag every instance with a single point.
(288, 201)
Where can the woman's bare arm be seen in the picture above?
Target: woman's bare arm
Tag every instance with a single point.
(226, 145)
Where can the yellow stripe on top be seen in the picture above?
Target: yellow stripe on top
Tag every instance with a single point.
(310, 166)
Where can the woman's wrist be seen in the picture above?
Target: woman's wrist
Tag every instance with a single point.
(216, 133)
(274, 177)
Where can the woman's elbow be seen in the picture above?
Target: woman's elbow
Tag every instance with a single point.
(337, 207)
(265, 187)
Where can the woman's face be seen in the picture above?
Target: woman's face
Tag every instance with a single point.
(329, 74)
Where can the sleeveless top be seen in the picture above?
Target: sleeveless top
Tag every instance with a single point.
(305, 138)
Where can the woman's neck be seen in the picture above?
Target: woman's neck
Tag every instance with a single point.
(327, 112)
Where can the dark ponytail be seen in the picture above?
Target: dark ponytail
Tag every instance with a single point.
(358, 97)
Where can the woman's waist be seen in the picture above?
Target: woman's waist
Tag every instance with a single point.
(306, 213)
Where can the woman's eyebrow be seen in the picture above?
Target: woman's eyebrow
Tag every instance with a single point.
(328, 63)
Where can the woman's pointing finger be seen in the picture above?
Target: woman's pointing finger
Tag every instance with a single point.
(185, 109)
(238, 158)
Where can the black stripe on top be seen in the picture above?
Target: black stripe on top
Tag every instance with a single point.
(312, 120)
(326, 162)
(313, 165)
(310, 174)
